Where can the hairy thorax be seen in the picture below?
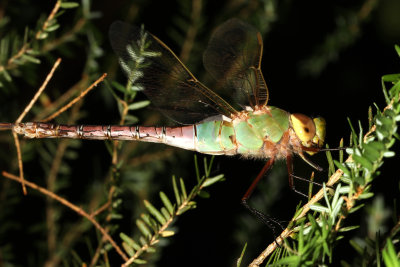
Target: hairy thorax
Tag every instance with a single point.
(265, 133)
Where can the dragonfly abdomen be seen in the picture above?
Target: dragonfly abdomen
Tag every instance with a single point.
(94, 132)
(216, 138)
(182, 137)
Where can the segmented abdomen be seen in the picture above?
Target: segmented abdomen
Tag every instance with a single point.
(176, 136)
(213, 137)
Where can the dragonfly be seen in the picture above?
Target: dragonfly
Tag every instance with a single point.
(232, 119)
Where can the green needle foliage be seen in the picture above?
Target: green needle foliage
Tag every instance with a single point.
(17, 51)
(155, 224)
(389, 254)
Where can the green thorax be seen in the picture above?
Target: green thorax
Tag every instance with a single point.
(245, 134)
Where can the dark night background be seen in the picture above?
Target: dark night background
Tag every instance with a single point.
(214, 233)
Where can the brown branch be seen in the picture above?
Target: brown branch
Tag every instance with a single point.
(97, 253)
(39, 92)
(288, 231)
(51, 180)
(76, 99)
(73, 207)
(74, 233)
(61, 100)
(20, 165)
(124, 112)
(49, 18)
(26, 110)
(106, 205)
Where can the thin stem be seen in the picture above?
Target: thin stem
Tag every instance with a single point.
(76, 99)
(26, 110)
(39, 92)
(154, 238)
(20, 165)
(106, 205)
(51, 181)
(48, 20)
(72, 207)
(56, 104)
(288, 231)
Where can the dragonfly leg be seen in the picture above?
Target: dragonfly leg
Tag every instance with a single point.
(289, 165)
(258, 178)
(306, 180)
(291, 176)
(267, 220)
(309, 162)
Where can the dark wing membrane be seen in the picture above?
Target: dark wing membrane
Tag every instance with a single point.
(233, 58)
(153, 68)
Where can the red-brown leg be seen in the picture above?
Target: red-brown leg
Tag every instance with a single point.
(267, 220)
(258, 178)
(289, 165)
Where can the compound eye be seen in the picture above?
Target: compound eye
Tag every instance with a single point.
(320, 131)
(303, 126)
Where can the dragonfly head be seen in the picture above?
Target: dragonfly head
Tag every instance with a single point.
(310, 131)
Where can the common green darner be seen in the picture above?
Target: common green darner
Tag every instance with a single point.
(246, 126)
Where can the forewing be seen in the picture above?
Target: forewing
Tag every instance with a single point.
(233, 58)
(154, 69)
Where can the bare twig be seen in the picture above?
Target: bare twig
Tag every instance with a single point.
(48, 20)
(97, 253)
(26, 110)
(124, 112)
(288, 231)
(73, 234)
(20, 165)
(51, 181)
(106, 205)
(76, 99)
(72, 207)
(62, 99)
(39, 92)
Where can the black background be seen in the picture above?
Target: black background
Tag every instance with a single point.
(214, 233)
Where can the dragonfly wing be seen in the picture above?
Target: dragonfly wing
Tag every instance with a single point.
(233, 58)
(153, 68)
